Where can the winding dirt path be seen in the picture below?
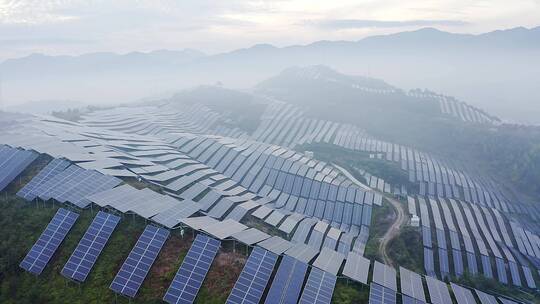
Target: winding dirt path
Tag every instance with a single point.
(393, 230)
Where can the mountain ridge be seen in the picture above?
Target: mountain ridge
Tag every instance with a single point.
(266, 46)
(471, 67)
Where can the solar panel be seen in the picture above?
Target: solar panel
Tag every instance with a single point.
(195, 266)
(288, 282)
(485, 298)
(411, 284)
(429, 264)
(250, 285)
(458, 262)
(438, 291)
(486, 266)
(443, 262)
(44, 190)
(507, 301)
(13, 166)
(356, 267)
(501, 270)
(381, 295)
(384, 275)
(319, 287)
(528, 277)
(329, 260)
(135, 268)
(463, 295)
(173, 215)
(408, 300)
(97, 182)
(90, 246)
(514, 273)
(471, 263)
(426, 236)
(52, 169)
(49, 241)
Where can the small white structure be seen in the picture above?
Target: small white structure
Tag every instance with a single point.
(309, 154)
(415, 221)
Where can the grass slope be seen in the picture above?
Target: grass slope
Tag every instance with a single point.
(22, 223)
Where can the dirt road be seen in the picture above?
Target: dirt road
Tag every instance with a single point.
(393, 230)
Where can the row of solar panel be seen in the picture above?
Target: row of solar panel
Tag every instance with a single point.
(436, 179)
(264, 171)
(457, 258)
(64, 182)
(412, 292)
(12, 163)
(249, 287)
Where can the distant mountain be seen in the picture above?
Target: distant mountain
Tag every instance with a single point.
(370, 103)
(322, 91)
(496, 71)
(516, 38)
(59, 66)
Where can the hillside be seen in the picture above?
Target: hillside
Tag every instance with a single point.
(507, 151)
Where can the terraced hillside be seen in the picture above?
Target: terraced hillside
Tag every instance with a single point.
(190, 191)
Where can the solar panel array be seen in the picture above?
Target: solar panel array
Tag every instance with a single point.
(381, 295)
(435, 177)
(191, 274)
(296, 183)
(90, 246)
(135, 268)
(49, 241)
(288, 282)
(72, 184)
(52, 169)
(319, 287)
(12, 163)
(50, 187)
(250, 285)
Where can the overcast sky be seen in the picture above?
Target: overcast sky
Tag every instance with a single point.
(77, 26)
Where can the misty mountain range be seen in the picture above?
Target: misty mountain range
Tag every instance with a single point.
(496, 71)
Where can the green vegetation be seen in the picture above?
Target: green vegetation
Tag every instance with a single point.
(254, 222)
(23, 222)
(381, 219)
(350, 160)
(75, 114)
(135, 183)
(69, 114)
(508, 152)
(347, 292)
(406, 249)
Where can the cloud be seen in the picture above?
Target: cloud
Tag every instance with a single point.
(341, 24)
(42, 41)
